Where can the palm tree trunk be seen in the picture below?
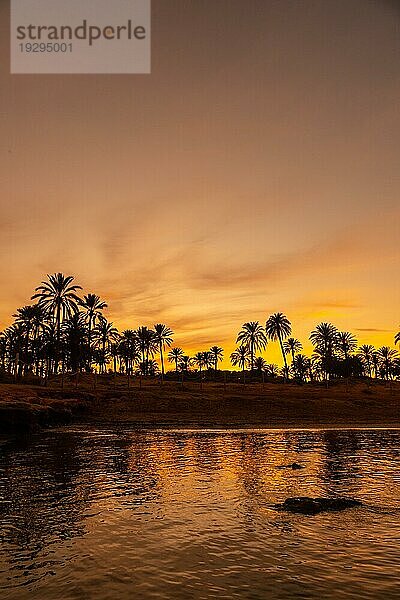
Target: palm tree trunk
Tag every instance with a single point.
(147, 360)
(104, 356)
(89, 341)
(58, 322)
(28, 331)
(283, 354)
(162, 361)
(35, 336)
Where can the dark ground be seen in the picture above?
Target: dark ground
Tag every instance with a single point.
(270, 405)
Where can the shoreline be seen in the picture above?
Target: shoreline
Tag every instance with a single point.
(24, 408)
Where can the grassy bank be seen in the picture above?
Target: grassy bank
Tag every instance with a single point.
(104, 400)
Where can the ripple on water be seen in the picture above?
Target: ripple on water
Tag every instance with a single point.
(121, 513)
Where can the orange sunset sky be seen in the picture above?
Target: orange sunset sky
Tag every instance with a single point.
(255, 170)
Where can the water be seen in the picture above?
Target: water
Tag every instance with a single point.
(119, 513)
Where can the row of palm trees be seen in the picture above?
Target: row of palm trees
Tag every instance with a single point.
(336, 353)
(67, 331)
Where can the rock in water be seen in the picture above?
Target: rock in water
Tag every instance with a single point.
(313, 506)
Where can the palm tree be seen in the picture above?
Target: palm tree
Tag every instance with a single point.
(252, 335)
(301, 365)
(375, 362)
(386, 356)
(100, 358)
(114, 351)
(74, 338)
(324, 337)
(207, 359)
(260, 364)
(149, 367)
(163, 337)
(292, 346)
(397, 338)
(346, 343)
(15, 342)
(38, 323)
(198, 360)
(104, 334)
(48, 347)
(217, 354)
(279, 327)
(241, 357)
(128, 349)
(58, 298)
(365, 352)
(175, 355)
(147, 343)
(3, 351)
(185, 363)
(29, 318)
(272, 370)
(92, 307)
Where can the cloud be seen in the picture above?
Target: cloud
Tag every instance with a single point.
(372, 329)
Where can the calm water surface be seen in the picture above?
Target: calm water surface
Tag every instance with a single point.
(119, 513)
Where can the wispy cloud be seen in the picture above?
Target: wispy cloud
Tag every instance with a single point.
(373, 329)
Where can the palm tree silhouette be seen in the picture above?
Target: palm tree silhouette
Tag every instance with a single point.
(279, 327)
(27, 317)
(386, 357)
(185, 363)
(252, 335)
(104, 335)
(61, 326)
(92, 307)
(38, 324)
(346, 343)
(74, 342)
(128, 349)
(292, 346)
(207, 359)
(175, 356)
(58, 298)
(217, 354)
(301, 365)
(163, 337)
(198, 360)
(375, 362)
(365, 352)
(147, 343)
(48, 347)
(241, 357)
(272, 370)
(324, 337)
(149, 367)
(15, 341)
(260, 364)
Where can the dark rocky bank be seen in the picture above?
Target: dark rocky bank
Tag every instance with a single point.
(312, 506)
